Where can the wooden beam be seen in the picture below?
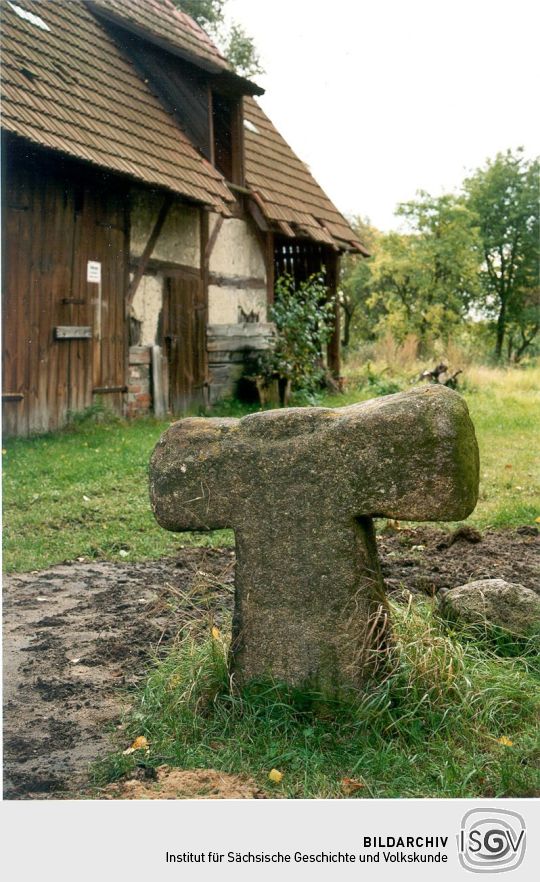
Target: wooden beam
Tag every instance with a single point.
(236, 281)
(168, 268)
(270, 269)
(158, 392)
(205, 249)
(149, 247)
(258, 216)
(266, 244)
(212, 239)
(238, 188)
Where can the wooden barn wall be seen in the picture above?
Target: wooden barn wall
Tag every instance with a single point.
(237, 303)
(58, 215)
(299, 258)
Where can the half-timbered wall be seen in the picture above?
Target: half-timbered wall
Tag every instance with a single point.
(197, 315)
(167, 315)
(237, 302)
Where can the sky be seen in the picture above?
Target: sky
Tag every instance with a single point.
(387, 98)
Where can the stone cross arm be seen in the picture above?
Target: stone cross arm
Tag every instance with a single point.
(299, 486)
(411, 456)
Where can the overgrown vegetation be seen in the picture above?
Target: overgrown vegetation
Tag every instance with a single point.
(83, 492)
(453, 717)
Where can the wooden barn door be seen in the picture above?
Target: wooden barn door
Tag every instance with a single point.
(184, 330)
(99, 369)
(37, 272)
(57, 217)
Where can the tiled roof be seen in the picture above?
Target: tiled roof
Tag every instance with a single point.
(162, 19)
(288, 193)
(66, 86)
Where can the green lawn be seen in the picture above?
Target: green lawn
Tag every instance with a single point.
(83, 492)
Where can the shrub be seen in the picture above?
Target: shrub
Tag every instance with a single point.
(304, 320)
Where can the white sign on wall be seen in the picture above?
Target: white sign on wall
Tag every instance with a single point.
(93, 271)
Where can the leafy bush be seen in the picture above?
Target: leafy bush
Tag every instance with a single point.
(304, 320)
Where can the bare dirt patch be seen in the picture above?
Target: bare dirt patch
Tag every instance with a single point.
(170, 783)
(427, 560)
(78, 637)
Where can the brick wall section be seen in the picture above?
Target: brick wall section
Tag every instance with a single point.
(139, 396)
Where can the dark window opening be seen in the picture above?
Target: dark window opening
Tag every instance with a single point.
(222, 116)
(299, 259)
(212, 120)
(180, 86)
(228, 137)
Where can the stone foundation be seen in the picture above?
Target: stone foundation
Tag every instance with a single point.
(230, 348)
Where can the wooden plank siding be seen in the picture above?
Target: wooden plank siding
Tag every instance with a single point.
(57, 216)
(16, 277)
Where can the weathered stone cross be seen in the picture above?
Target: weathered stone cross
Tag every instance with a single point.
(300, 487)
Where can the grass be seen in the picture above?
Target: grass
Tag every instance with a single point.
(505, 409)
(452, 718)
(83, 492)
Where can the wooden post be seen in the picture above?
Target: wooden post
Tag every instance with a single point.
(332, 276)
(206, 244)
(270, 273)
(158, 394)
(210, 240)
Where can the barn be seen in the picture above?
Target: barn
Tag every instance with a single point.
(148, 206)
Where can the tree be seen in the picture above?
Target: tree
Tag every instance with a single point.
(208, 13)
(237, 46)
(241, 52)
(523, 328)
(504, 197)
(425, 281)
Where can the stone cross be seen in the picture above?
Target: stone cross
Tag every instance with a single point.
(300, 487)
